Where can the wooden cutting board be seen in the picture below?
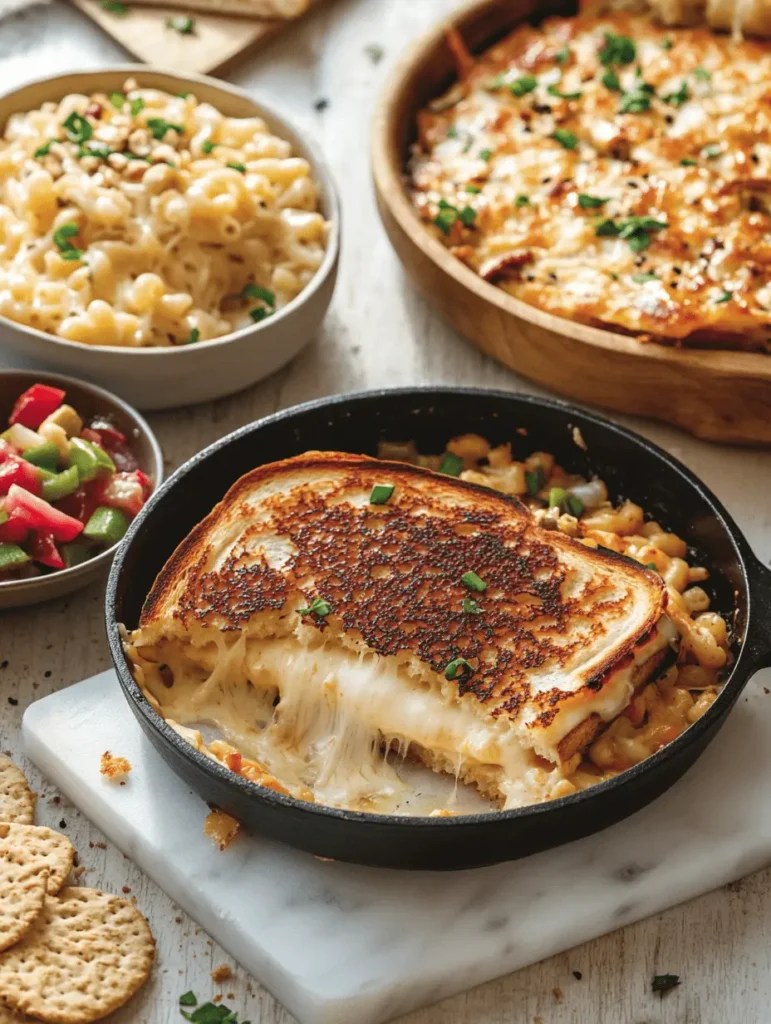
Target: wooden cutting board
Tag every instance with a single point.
(217, 40)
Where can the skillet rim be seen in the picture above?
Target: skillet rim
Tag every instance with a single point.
(738, 678)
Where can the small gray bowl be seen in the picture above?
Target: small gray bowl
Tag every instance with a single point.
(165, 378)
(89, 401)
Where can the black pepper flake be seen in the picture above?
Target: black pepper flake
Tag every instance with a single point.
(47, 673)
(321, 104)
(755, 158)
(677, 270)
(669, 119)
(13, 702)
(4, 664)
(577, 975)
(62, 823)
(545, 181)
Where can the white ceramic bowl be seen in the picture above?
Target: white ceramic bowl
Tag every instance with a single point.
(163, 378)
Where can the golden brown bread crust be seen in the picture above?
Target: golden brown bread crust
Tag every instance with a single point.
(392, 576)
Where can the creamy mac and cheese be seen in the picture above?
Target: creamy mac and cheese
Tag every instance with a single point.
(137, 218)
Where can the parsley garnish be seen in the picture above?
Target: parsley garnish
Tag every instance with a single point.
(724, 297)
(259, 314)
(485, 154)
(611, 81)
(475, 189)
(448, 214)
(642, 278)
(523, 85)
(473, 582)
(45, 149)
(667, 44)
(452, 132)
(495, 83)
(637, 100)
(456, 665)
(562, 56)
(534, 481)
(664, 982)
(522, 200)
(77, 128)
(559, 498)
(651, 565)
(135, 156)
(688, 162)
(587, 202)
(470, 606)
(137, 106)
(97, 149)
(113, 6)
(236, 166)
(253, 291)
(677, 99)
(636, 230)
(182, 24)
(702, 74)
(212, 1013)
(195, 335)
(554, 90)
(711, 151)
(617, 50)
(62, 236)
(117, 99)
(158, 127)
(451, 464)
(207, 145)
(380, 494)
(318, 606)
(565, 138)
(188, 999)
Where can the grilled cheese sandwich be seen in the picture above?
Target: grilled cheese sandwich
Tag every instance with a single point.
(315, 630)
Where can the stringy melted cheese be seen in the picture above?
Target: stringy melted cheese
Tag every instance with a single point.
(683, 139)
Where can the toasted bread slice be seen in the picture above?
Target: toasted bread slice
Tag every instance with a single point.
(549, 647)
(284, 10)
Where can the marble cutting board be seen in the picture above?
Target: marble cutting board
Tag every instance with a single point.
(340, 944)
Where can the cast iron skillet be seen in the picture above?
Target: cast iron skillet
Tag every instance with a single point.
(631, 466)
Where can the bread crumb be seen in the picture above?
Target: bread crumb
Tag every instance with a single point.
(221, 828)
(114, 767)
(221, 974)
(578, 439)
(558, 995)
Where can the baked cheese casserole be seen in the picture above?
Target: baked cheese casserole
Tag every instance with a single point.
(611, 170)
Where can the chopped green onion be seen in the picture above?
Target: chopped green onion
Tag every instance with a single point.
(260, 313)
(534, 481)
(452, 132)
(117, 99)
(195, 335)
(470, 606)
(207, 145)
(587, 202)
(611, 81)
(61, 238)
(380, 494)
(77, 128)
(638, 100)
(474, 189)
(554, 90)
(667, 44)
(45, 149)
(565, 138)
(651, 565)
(574, 506)
(688, 162)
(712, 150)
(136, 106)
(97, 149)
(677, 99)
(522, 201)
(135, 156)
(253, 291)
(158, 127)
(562, 56)
(473, 582)
(642, 278)
(485, 154)
(318, 606)
(234, 165)
(451, 464)
(702, 74)
(182, 24)
(523, 85)
(725, 297)
(557, 497)
(455, 666)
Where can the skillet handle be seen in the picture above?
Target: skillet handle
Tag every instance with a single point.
(759, 638)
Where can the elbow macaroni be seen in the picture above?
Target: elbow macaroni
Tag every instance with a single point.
(140, 218)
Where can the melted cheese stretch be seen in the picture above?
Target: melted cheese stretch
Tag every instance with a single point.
(338, 710)
(537, 162)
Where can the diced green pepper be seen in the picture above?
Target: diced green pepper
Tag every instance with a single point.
(44, 455)
(89, 458)
(62, 484)
(75, 553)
(11, 557)
(106, 525)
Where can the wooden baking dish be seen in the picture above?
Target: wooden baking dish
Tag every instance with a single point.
(718, 395)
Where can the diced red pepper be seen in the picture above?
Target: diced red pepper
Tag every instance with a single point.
(81, 504)
(125, 491)
(35, 404)
(146, 482)
(43, 549)
(17, 471)
(11, 530)
(39, 515)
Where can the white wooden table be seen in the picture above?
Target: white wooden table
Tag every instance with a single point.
(379, 332)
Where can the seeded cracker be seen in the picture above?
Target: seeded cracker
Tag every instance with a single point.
(17, 801)
(54, 850)
(11, 1017)
(23, 882)
(86, 955)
